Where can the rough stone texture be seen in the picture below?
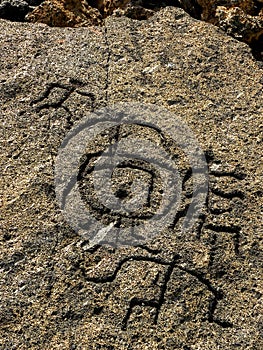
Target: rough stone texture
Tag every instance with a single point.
(78, 13)
(65, 13)
(209, 7)
(239, 18)
(239, 24)
(243, 19)
(55, 294)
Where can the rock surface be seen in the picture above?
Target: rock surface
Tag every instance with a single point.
(205, 288)
(243, 19)
(78, 13)
(240, 25)
(65, 13)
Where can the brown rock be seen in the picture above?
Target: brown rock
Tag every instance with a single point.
(78, 13)
(242, 19)
(239, 24)
(209, 7)
(65, 13)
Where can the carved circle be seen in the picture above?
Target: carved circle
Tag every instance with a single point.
(123, 173)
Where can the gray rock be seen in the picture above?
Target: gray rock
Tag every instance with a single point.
(199, 290)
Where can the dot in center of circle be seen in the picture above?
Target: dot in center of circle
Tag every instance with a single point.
(121, 193)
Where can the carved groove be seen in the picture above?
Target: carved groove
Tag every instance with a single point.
(228, 195)
(87, 167)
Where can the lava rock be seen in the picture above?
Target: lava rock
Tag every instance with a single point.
(65, 13)
(14, 10)
(240, 25)
(57, 294)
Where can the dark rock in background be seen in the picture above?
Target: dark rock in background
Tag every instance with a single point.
(34, 2)
(14, 10)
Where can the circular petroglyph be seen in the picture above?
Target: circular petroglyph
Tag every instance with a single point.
(124, 172)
